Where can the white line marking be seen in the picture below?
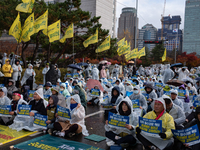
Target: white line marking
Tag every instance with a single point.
(98, 112)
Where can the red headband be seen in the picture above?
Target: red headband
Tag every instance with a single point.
(156, 101)
(17, 94)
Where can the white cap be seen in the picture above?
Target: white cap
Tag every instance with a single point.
(174, 91)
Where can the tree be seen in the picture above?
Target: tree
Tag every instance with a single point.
(145, 59)
(157, 53)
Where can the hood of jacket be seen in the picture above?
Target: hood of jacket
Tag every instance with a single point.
(55, 99)
(117, 89)
(182, 86)
(128, 102)
(63, 85)
(76, 97)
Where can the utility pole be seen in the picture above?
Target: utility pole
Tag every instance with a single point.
(136, 27)
(176, 45)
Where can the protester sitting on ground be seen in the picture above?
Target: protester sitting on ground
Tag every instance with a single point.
(24, 90)
(4, 100)
(138, 96)
(15, 102)
(113, 99)
(123, 136)
(121, 87)
(174, 94)
(92, 99)
(175, 111)
(151, 95)
(165, 140)
(64, 90)
(76, 124)
(29, 77)
(7, 71)
(108, 89)
(78, 90)
(47, 89)
(38, 103)
(61, 98)
(51, 111)
(11, 87)
(58, 83)
(128, 86)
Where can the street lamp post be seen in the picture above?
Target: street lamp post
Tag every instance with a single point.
(136, 27)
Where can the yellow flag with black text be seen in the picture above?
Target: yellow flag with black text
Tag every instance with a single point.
(104, 46)
(41, 22)
(16, 30)
(120, 43)
(69, 33)
(91, 40)
(26, 6)
(164, 55)
(53, 31)
(141, 52)
(28, 28)
(122, 50)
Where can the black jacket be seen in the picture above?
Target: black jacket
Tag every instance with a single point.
(39, 106)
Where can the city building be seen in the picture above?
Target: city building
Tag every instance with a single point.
(147, 33)
(172, 34)
(191, 40)
(127, 25)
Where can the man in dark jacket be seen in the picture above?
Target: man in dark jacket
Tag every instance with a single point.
(52, 75)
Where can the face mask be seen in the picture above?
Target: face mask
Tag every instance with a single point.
(135, 91)
(62, 89)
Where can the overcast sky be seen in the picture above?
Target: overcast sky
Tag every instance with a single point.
(149, 11)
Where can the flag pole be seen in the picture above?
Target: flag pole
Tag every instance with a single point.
(73, 48)
(176, 46)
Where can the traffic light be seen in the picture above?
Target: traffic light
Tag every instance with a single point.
(153, 42)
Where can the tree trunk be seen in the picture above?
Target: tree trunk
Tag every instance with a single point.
(24, 47)
(36, 48)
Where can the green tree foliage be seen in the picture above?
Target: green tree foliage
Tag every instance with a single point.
(157, 53)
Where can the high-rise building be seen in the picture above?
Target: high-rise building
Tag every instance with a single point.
(127, 25)
(104, 8)
(147, 33)
(191, 39)
(172, 35)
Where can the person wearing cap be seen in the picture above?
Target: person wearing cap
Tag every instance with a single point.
(15, 102)
(38, 103)
(61, 98)
(44, 72)
(29, 77)
(175, 111)
(175, 100)
(17, 70)
(47, 90)
(64, 90)
(11, 87)
(7, 71)
(138, 96)
(166, 137)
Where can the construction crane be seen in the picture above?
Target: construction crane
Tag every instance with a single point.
(162, 19)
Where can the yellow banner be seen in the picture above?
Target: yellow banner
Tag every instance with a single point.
(24, 7)
(132, 54)
(69, 33)
(123, 49)
(104, 46)
(28, 28)
(164, 55)
(121, 43)
(141, 53)
(53, 31)
(91, 40)
(16, 30)
(41, 22)
(31, 6)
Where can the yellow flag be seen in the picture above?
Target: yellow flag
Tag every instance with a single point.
(28, 29)
(124, 49)
(120, 43)
(134, 53)
(164, 55)
(53, 31)
(41, 22)
(26, 6)
(91, 40)
(141, 52)
(104, 46)
(16, 30)
(69, 33)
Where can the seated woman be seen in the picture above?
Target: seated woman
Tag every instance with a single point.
(165, 141)
(76, 124)
(95, 99)
(64, 90)
(61, 98)
(123, 136)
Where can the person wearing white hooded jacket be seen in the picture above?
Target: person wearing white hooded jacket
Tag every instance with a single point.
(137, 95)
(95, 99)
(167, 74)
(175, 100)
(95, 73)
(120, 136)
(121, 87)
(44, 72)
(4, 58)
(77, 121)
(115, 71)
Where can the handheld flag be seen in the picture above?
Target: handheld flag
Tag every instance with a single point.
(141, 53)
(123, 49)
(16, 30)
(164, 55)
(91, 40)
(120, 43)
(69, 33)
(26, 6)
(104, 46)
(28, 28)
(53, 31)
(41, 22)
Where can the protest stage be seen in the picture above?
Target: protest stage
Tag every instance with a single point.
(8, 135)
(52, 142)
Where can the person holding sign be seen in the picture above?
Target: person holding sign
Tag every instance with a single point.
(125, 135)
(121, 87)
(76, 124)
(164, 140)
(61, 98)
(137, 95)
(95, 96)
